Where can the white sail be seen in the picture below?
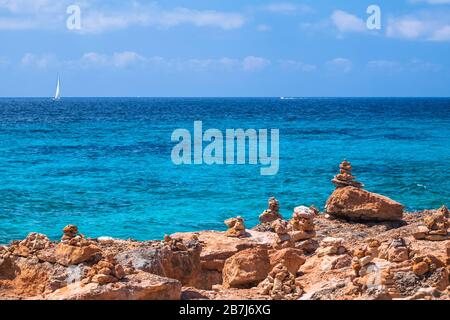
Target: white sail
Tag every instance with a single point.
(58, 91)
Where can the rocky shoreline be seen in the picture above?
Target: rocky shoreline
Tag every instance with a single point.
(362, 247)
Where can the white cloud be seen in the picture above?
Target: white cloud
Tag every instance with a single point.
(37, 61)
(442, 34)
(287, 8)
(297, 66)
(346, 22)
(417, 65)
(252, 63)
(126, 59)
(339, 65)
(45, 14)
(423, 26)
(263, 28)
(384, 65)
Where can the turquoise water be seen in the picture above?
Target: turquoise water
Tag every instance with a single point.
(105, 165)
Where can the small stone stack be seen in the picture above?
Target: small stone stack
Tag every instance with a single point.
(33, 243)
(331, 246)
(281, 228)
(435, 226)
(280, 284)
(425, 264)
(236, 227)
(271, 214)
(72, 237)
(105, 271)
(302, 224)
(345, 177)
(70, 232)
(174, 244)
(74, 248)
(362, 257)
(397, 251)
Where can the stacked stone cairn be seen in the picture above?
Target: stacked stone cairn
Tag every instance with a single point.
(331, 246)
(281, 228)
(280, 284)
(396, 251)
(105, 271)
(345, 177)
(72, 237)
(236, 227)
(364, 256)
(435, 226)
(272, 213)
(174, 244)
(302, 224)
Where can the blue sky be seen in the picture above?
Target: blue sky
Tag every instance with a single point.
(225, 48)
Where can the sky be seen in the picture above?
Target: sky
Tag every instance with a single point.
(226, 48)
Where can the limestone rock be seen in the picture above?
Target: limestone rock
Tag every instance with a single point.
(33, 243)
(140, 286)
(246, 268)
(164, 261)
(291, 258)
(280, 284)
(358, 204)
(67, 255)
(435, 226)
(302, 224)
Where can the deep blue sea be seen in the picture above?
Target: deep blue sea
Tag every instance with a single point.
(105, 164)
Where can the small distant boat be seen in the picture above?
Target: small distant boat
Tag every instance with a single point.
(58, 90)
(287, 98)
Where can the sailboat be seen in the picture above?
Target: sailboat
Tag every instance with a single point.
(58, 90)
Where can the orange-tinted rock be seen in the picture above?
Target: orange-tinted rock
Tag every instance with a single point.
(140, 286)
(246, 268)
(291, 258)
(71, 255)
(358, 204)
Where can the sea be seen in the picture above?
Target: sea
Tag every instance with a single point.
(105, 164)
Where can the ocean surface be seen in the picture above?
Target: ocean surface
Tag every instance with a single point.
(105, 164)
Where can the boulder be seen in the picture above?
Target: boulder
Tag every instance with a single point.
(180, 265)
(358, 204)
(246, 268)
(140, 286)
(291, 258)
(67, 255)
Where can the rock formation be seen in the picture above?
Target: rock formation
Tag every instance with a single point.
(236, 227)
(331, 246)
(246, 268)
(302, 224)
(345, 177)
(271, 214)
(358, 204)
(105, 271)
(281, 228)
(291, 258)
(33, 243)
(70, 232)
(435, 228)
(350, 201)
(281, 284)
(74, 248)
